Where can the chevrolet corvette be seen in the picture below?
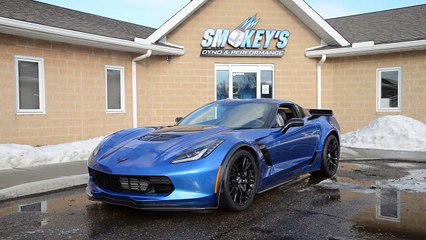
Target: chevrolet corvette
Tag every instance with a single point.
(219, 156)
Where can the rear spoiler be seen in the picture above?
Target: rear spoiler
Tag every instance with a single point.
(320, 112)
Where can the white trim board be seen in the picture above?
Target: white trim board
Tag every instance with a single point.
(301, 9)
(38, 31)
(176, 20)
(368, 50)
(315, 22)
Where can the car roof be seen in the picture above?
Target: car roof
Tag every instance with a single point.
(259, 100)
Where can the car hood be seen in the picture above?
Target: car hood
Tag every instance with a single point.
(156, 147)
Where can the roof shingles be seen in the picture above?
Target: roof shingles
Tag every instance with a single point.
(397, 25)
(391, 26)
(54, 16)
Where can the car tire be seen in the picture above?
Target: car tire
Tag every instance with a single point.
(241, 178)
(330, 158)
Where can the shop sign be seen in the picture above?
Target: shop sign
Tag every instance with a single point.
(244, 41)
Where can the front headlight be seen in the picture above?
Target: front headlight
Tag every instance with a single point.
(198, 152)
(92, 157)
(96, 150)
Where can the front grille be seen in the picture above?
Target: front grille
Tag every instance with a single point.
(132, 184)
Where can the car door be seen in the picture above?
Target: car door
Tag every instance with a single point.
(293, 149)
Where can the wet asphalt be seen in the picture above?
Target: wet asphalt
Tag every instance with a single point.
(352, 206)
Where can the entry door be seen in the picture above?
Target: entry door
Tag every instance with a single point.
(244, 85)
(246, 81)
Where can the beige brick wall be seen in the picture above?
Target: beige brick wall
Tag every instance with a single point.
(167, 90)
(75, 78)
(75, 92)
(350, 87)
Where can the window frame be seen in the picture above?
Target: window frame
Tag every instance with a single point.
(122, 89)
(41, 86)
(379, 211)
(246, 68)
(379, 72)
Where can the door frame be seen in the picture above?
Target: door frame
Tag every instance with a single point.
(244, 68)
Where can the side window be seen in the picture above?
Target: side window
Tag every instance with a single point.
(284, 114)
(114, 89)
(389, 92)
(29, 85)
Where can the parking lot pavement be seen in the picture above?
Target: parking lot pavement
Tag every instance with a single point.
(20, 182)
(366, 200)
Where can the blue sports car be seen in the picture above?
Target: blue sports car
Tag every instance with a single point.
(220, 155)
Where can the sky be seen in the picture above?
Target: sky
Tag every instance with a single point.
(153, 13)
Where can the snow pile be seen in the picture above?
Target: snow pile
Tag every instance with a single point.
(333, 184)
(402, 165)
(414, 182)
(18, 156)
(389, 133)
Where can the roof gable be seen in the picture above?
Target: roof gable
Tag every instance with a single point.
(302, 10)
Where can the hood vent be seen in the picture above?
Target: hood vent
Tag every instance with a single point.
(158, 137)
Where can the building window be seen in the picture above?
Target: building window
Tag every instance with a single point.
(29, 85)
(389, 89)
(244, 81)
(114, 89)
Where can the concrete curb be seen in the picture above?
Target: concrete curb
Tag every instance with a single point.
(353, 154)
(42, 186)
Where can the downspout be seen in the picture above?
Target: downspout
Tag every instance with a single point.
(134, 86)
(319, 80)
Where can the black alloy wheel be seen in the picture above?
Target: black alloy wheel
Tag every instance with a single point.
(333, 153)
(240, 181)
(330, 157)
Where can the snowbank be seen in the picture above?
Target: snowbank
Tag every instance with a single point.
(390, 133)
(18, 156)
(414, 182)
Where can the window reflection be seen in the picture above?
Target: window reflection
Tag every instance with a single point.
(389, 205)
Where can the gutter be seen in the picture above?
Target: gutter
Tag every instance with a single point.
(319, 80)
(134, 86)
(33, 30)
(368, 50)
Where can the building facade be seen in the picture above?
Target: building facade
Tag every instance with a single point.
(63, 82)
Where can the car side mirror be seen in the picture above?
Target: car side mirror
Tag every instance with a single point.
(294, 122)
(178, 119)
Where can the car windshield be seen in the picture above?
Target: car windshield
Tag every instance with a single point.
(231, 114)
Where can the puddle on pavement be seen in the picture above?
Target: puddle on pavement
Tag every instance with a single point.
(33, 207)
(392, 207)
(399, 213)
(381, 209)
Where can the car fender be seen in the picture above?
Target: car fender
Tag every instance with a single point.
(326, 129)
(224, 166)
